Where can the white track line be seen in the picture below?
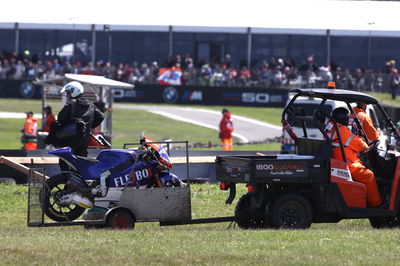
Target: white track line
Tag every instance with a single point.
(238, 117)
(17, 115)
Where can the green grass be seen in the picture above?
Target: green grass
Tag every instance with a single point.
(385, 98)
(10, 137)
(25, 105)
(350, 242)
(129, 124)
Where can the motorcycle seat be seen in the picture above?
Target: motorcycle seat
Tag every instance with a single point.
(92, 160)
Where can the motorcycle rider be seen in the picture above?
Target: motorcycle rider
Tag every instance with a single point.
(77, 108)
(352, 146)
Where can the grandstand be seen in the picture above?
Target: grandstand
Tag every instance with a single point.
(350, 33)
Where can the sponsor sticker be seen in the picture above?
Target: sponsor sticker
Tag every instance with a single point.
(341, 173)
(282, 169)
(233, 171)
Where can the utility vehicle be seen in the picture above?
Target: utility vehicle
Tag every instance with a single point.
(309, 186)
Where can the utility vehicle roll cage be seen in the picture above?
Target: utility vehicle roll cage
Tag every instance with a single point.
(319, 115)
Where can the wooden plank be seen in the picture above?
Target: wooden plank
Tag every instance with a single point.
(19, 167)
(199, 159)
(36, 160)
(54, 160)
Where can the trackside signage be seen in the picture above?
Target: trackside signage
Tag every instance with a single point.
(280, 169)
(203, 95)
(10, 88)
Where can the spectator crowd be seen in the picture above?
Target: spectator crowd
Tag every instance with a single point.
(184, 70)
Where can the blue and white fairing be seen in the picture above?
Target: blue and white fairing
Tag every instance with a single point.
(140, 177)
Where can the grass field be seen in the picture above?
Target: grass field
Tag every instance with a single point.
(350, 242)
(385, 98)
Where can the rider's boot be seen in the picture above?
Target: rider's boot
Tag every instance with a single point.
(101, 190)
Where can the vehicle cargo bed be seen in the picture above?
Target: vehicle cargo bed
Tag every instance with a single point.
(282, 168)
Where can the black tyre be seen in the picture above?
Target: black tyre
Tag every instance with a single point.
(291, 211)
(121, 219)
(55, 189)
(247, 215)
(384, 222)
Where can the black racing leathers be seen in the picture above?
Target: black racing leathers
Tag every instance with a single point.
(89, 114)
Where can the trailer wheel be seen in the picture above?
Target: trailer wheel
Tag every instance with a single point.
(121, 219)
(247, 216)
(384, 222)
(291, 211)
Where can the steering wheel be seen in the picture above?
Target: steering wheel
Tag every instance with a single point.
(373, 145)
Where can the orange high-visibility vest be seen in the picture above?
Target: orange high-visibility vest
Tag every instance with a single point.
(30, 126)
(367, 124)
(352, 145)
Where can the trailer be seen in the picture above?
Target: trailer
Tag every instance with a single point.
(125, 206)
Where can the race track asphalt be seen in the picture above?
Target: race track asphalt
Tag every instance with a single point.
(246, 129)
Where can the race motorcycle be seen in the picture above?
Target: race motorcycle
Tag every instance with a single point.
(69, 193)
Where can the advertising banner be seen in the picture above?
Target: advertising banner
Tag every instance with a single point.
(261, 97)
(10, 88)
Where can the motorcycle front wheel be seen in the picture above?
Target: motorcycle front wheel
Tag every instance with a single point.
(54, 190)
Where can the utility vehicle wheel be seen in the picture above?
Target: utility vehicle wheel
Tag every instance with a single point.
(54, 190)
(121, 219)
(291, 211)
(384, 222)
(247, 216)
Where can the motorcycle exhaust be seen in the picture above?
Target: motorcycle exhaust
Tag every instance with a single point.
(82, 201)
(75, 198)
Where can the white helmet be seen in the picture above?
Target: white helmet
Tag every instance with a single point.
(74, 87)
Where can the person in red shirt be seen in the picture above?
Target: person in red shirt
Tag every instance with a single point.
(225, 130)
(29, 137)
(48, 119)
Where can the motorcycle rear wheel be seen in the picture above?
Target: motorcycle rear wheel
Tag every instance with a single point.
(55, 187)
